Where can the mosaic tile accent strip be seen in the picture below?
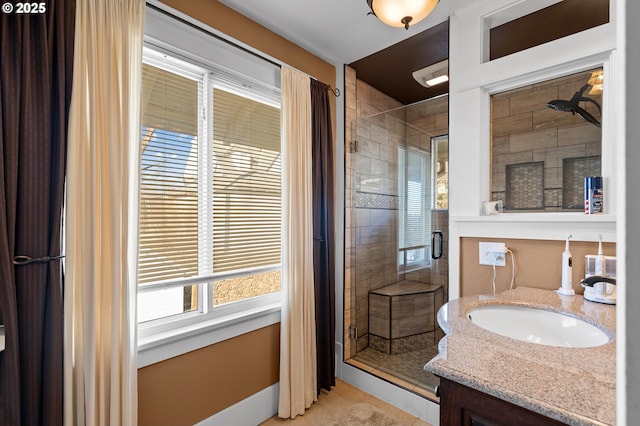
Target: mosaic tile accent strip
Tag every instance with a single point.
(498, 196)
(553, 197)
(574, 170)
(379, 343)
(525, 186)
(362, 342)
(368, 200)
(411, 343)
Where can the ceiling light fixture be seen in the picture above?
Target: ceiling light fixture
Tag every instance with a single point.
(436, 80)
(401, 13)
(595, 81)
(433, 74)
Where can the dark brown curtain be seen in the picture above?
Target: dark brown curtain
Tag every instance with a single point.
(36, 62)
(323, 234)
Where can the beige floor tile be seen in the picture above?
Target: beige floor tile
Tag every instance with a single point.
(338, 407)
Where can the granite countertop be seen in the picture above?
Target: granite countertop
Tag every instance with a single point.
(576, 386)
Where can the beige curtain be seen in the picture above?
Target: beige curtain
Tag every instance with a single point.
(298, 339)
(101, 215)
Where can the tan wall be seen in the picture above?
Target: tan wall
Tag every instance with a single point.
(189, 388)
(196, 385)
(538, 264)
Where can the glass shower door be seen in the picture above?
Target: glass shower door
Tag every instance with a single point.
(396, 242)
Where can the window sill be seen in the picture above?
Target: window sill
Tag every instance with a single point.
(538, 217)
(161, 346)
(537, 226)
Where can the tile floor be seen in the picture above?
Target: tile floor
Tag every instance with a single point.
(406, 366)
(346, 405)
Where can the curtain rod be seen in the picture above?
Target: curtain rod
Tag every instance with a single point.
(335, 92)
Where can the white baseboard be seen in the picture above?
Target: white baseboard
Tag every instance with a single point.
(263, 405)
(251, 411)
(339, 362)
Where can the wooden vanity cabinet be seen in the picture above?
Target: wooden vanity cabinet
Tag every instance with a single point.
(463, 406)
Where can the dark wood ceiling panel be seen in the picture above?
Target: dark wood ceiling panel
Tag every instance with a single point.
(548, 24)
(390, 70)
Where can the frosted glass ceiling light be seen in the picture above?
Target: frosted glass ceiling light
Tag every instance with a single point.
(433, 74)
(401, 13)
(436, 80)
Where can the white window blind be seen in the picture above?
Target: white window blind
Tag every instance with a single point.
(414, 208)
(246, 200)
(168, 176)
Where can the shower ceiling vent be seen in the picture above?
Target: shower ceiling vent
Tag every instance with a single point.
(433, 74)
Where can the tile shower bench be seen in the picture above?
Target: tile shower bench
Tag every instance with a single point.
(402, 316)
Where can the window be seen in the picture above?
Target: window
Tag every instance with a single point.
(440, 171)
(209, 192)
(540, 163)
(414, 182)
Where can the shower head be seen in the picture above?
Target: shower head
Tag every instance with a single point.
(573, 106)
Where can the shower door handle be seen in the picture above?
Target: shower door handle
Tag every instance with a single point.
(437, 233)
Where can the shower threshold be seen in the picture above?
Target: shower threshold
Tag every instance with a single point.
(404, 370)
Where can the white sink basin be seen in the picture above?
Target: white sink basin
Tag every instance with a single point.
(538, 326)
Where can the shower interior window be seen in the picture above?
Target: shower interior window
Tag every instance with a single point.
(414, 202)
(440, 172)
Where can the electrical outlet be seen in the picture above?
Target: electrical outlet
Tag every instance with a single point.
(493, 253)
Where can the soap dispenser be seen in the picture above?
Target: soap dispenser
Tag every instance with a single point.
(567, 264)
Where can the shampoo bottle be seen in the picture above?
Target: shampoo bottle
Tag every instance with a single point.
(567, 263)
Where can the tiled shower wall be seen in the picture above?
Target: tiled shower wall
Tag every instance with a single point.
(537, 152)
(372, 200)
(371, 194)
